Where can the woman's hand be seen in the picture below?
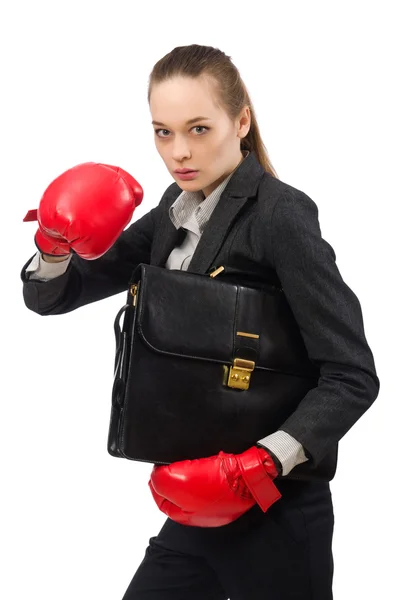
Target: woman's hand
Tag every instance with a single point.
(214, 491)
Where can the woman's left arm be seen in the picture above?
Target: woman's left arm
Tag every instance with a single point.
(330, 320)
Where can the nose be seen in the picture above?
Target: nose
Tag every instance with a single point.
(180, 150)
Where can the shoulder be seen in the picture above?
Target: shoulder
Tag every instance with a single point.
(288, 220)
(280, 204)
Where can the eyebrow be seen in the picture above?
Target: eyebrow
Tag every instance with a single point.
(189, 122)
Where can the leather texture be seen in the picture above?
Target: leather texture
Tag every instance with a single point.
(170, 402)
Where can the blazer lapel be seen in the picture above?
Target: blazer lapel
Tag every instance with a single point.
(242, 186)
(215, 231)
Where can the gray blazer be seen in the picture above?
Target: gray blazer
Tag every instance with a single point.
(261, 225)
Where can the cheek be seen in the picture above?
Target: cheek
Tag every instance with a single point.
(161, 150)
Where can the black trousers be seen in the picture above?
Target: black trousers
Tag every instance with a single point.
(283, 554)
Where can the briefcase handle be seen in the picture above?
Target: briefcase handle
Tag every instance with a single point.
(120, 363)
(117, 330)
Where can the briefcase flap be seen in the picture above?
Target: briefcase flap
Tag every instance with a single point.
(195, 316)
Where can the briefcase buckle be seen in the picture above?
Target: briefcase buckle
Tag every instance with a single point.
(134, 292)
(240, 373)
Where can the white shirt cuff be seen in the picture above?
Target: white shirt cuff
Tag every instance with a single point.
(42, 270)
(288, 450)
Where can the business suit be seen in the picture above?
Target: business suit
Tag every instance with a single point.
(265, 229)
(261, 229)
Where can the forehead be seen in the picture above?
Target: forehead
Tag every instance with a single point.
(181, 99)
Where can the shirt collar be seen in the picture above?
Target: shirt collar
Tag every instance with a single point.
(189, 203)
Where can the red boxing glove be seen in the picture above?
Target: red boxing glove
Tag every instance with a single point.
(214, 491)
(85, 210)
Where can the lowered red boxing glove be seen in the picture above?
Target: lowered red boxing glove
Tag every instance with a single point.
(214, 491)
(85, 210)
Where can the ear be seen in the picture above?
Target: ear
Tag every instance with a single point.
(244, 122)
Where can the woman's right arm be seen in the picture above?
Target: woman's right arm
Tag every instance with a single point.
(86, 281)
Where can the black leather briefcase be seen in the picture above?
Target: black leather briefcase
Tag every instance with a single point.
(204, 364)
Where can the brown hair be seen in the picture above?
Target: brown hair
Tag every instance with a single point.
(230, 91)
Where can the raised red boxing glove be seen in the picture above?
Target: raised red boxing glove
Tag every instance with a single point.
(85, 210)
(214, 491)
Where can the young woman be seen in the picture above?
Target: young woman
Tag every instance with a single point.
(231, 210)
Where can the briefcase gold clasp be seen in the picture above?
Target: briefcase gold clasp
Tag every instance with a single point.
(216, 271)
(133, 292)
(240, 373)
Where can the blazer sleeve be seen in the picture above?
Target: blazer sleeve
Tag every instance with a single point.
(86, 281)
(330, 320)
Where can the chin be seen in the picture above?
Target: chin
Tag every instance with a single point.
(190, 186)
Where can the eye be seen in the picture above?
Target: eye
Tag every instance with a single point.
(201, 127)
(157, 130)
(195, 127)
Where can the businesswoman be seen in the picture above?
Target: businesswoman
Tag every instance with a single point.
(269, 534)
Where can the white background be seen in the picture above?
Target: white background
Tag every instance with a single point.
(75, 521)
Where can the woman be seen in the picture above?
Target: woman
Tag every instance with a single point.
(233, 210)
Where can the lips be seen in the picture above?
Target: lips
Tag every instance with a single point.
(187, 176)
(183, 171)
